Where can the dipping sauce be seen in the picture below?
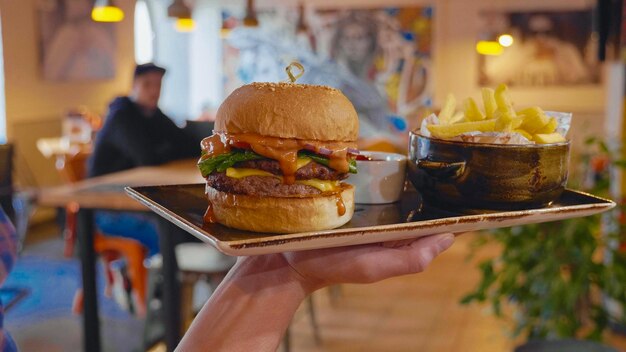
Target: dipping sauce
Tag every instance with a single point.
(362, 157)
(380, 179)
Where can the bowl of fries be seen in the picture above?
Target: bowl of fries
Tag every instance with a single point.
(499, 158)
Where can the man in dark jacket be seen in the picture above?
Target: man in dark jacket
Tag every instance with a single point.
(137, 133)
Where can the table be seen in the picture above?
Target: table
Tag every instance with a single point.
(107, 193)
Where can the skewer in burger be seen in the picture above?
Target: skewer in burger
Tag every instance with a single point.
(277, 158)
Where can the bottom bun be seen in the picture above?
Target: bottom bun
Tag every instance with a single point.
(281, 215)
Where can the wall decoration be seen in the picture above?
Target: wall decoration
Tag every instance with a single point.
(548, 49)
(72, 46)
(380, 58)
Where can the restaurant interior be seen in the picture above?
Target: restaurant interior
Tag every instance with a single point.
(548, 277)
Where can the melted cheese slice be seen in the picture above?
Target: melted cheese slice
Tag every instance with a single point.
(302, 161)
(322, 185)
(243, 172)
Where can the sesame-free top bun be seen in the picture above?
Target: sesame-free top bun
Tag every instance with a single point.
(281, 214)
(288, 110)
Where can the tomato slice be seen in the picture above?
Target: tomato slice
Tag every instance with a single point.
(240, 145)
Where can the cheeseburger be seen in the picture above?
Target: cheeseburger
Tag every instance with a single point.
(277, 158)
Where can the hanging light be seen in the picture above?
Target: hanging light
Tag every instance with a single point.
(301, 27)
(506, 40)
(250, 20)
(182, 14)
(226, 28)
(106, 11)
(488, 47)
(185, 24)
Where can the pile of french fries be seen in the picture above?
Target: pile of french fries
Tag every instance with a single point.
(498, 116)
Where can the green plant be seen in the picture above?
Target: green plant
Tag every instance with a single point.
(554, 275)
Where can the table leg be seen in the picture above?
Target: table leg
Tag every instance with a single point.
(169, 237)
(91, 320)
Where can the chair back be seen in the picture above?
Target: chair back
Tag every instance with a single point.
(198, 130)
(73, 167)
(6, 180)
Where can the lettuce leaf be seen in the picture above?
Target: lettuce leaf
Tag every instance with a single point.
(324, 161)
(223, 161)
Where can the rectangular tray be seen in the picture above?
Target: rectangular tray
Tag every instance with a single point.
(185, 205)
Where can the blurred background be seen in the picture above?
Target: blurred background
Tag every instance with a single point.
(64, 61)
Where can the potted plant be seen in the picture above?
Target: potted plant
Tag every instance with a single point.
(555, 277)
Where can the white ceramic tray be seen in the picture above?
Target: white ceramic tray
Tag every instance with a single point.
(185, 205)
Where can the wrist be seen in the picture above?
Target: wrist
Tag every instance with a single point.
(269, 272)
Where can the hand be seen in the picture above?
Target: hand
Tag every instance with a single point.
(366, 263)
(253, 306)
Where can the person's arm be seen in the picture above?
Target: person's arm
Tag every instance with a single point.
(255, 303)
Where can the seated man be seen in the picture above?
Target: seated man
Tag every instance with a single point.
(137, 133)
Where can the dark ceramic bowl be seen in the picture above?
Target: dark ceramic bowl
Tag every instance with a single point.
(487, 176)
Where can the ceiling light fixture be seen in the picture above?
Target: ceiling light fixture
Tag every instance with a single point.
(485, 47)
(106, 11)
(301, 27)
(506, 40)
(182, 13)
(250, 20)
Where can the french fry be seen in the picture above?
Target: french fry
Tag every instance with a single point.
(448, 110)
(524, 133)
(472, 113)
(505, 111)
(534, 120)
(550, 127)
(503, 101)
(499, 116)
(489, 102)
(548, 138)
(503, 125)
(457, 117)
(449, 131)
(506, 123)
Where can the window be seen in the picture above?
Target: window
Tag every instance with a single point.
(144, 36)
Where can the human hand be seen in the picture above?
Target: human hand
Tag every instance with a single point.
(365, 263)
(254, 305)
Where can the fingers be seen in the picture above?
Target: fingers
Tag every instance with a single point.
(424, 250)
(399, 243)
(379, 263)
(402, 243)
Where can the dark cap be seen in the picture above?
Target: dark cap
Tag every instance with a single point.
(147, 68)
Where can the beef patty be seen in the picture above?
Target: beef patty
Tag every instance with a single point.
(264, 186)
(310, 170)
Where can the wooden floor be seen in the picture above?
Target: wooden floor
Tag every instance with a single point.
(413, 313)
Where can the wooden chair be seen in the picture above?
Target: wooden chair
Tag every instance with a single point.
(72, 167)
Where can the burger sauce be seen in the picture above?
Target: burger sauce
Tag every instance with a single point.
(209, 216)
(214, 145)
(341, 207)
